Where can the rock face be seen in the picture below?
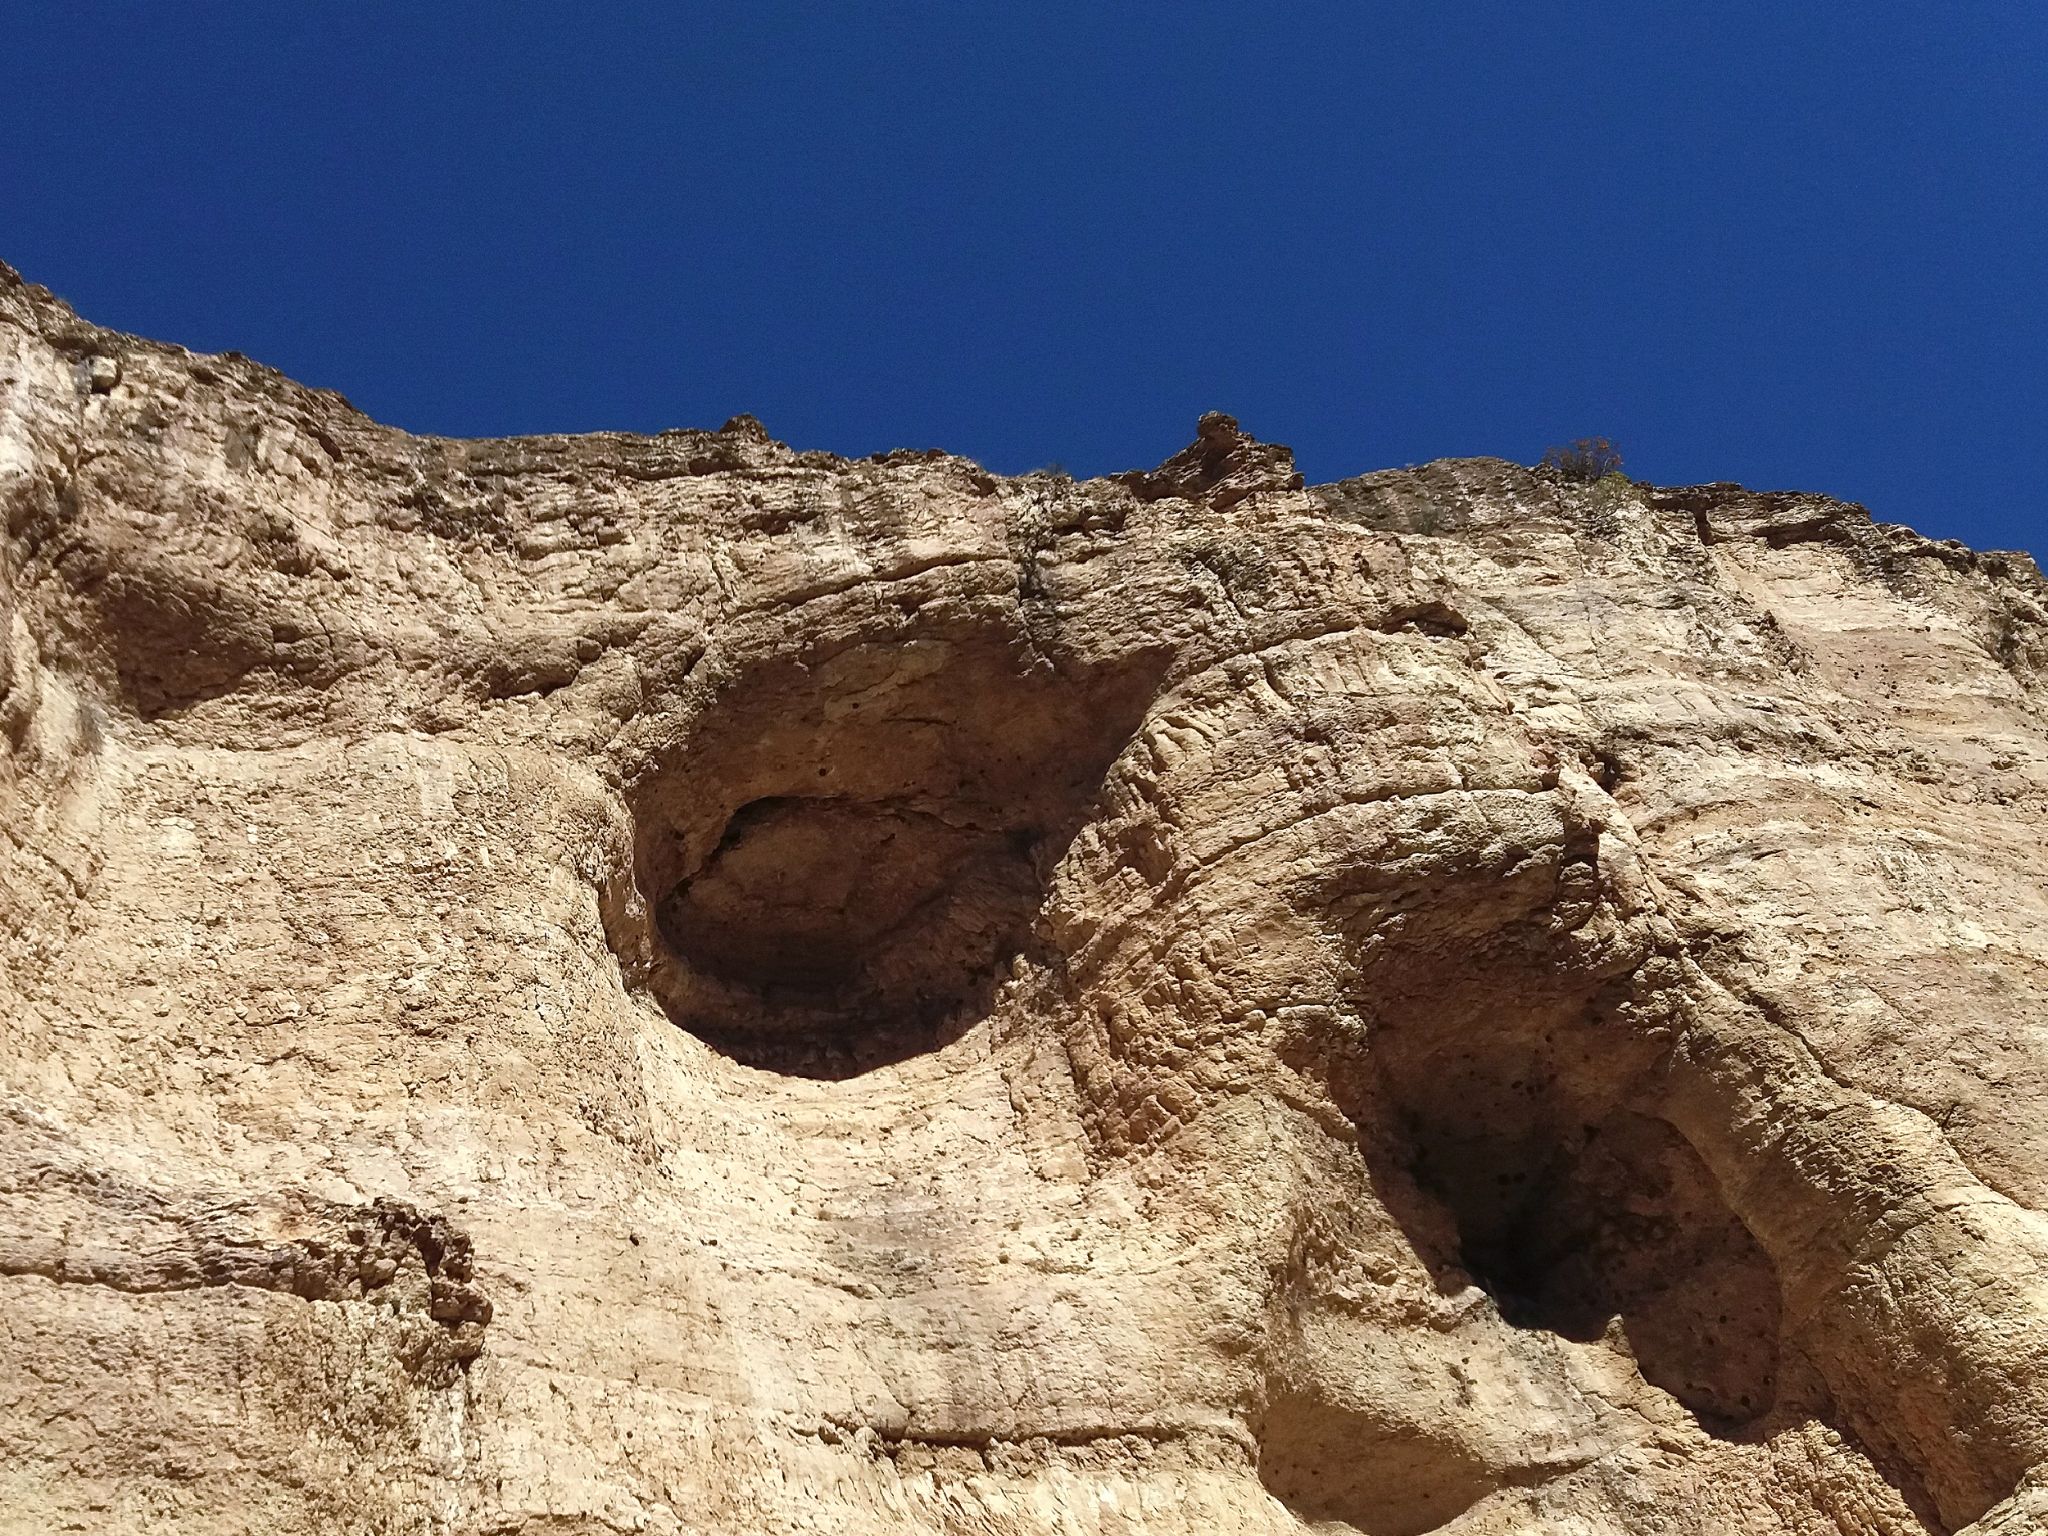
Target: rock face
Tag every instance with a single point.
(602, 984)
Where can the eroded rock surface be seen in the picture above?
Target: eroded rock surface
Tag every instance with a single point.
(602, 984)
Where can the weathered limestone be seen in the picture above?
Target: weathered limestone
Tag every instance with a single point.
(595, 984)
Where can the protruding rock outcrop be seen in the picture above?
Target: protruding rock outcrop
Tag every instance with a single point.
(1222, 466)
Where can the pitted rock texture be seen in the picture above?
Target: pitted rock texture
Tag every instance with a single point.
(602, 984)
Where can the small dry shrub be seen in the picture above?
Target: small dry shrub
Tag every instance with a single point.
(1587, 460)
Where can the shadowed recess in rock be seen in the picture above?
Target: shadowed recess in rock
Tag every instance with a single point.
(1618, 1222)
(1526, 1120)
(1508, 1125)
(870, 848)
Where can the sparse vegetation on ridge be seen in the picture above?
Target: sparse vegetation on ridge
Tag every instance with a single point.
(1586, 460)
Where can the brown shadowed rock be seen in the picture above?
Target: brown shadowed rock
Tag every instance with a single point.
(1221, 467)
(599, 984)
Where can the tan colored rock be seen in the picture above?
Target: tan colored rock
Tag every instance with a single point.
(602, 984)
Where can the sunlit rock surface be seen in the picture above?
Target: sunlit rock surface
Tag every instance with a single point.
(604, 984)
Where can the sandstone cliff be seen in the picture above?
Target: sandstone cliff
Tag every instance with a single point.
(603, 984)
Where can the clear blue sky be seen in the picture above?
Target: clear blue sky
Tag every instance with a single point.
(1793, 244)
